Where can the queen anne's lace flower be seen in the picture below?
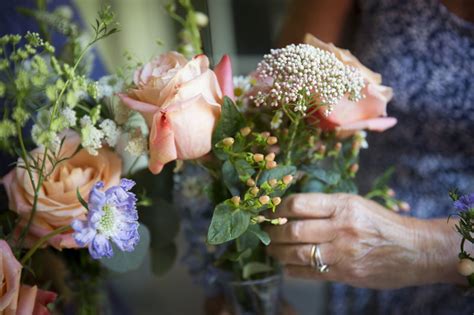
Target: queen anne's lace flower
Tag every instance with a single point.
(111, 131)
(112, 217)
(137, 145)
(91, 137)
(300, 74)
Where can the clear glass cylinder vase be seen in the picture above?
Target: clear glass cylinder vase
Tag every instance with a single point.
(255, 297)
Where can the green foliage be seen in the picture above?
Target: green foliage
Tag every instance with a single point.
(127, 261)
(227, 223)
(229, 124)
(253, 268)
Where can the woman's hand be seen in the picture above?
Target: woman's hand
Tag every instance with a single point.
(364, 244)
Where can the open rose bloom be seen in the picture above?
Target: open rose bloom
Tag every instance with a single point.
(180, 101)
(16, 299)
(57, 203)
(348, 116)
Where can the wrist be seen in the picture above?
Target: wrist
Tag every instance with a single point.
(437, 243)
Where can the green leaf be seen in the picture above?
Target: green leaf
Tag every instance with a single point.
(227, 224)
(236, 256)
(276, 173)
(248, 240)
(261, 234)
(81, 200)
(313, 185)
(230, 122)
(326, 176)
(163, 258)
(126, 261)
(244, 169)
(253, 268)
(231, 178)
(383, 180)
(345, 186)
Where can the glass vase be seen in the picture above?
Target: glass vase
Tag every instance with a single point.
(255, 297)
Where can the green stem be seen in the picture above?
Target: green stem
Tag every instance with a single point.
(43, 240)
(45, 153)
(293, 131)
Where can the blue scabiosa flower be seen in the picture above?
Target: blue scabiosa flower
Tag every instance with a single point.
(465, 203)
(112, 217)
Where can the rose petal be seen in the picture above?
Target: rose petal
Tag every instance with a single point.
(223, 71)
(162, 143)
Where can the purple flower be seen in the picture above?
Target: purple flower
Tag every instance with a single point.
(113, 217)
(465, 203)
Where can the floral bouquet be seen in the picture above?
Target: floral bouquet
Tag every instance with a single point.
(296, 124)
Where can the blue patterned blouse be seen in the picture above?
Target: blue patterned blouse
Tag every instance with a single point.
(426, 53)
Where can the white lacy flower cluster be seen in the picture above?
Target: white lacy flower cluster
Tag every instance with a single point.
(44, 136)
(93, 137)
(301, 74)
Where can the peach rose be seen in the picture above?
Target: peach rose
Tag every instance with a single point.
(16, 299)
(348, 116)
(180, 101)
(57, 204)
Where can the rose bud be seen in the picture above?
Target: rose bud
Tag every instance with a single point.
(287, 179)
(466, 267)
(264, 199)
(228, 141)
(235, 200)
(271, 164)
(258, 157)
(250, 182)
(270, 157)
(276, 201)
(404, 206)
(245, 131)
(272, 140)
(254, 191)
(272, 182)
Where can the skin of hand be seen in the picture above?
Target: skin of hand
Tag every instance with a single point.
(364, 244)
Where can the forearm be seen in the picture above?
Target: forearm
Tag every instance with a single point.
(439, 244)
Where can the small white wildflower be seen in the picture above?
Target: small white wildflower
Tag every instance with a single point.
(111, 131)
(242, 85)
(91, 137)
(363, 139)
(69, 116)
(137, 145)
(108, 85)
(276, 120)
(44, 138)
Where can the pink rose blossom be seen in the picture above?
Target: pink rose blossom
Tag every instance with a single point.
(347, 116)
(16, 299)
(180, 101)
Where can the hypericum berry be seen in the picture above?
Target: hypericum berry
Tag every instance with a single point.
(272, 140)
(321, 149)
(260, 219)
(250, 182)
(338, 147)
(254, 191)
(466, 267)
(404, 206)
(270, 157)
(390, 192)
(276, 201)
(264, 199)
(279, 221)
(265, 134)
(354, 168)
(228, 141)
(271, 164)
(245, 131)
(258, 157)
(272, 182)
(287, 179)
(235, 200)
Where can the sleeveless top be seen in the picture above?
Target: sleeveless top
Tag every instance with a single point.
(426, 53)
